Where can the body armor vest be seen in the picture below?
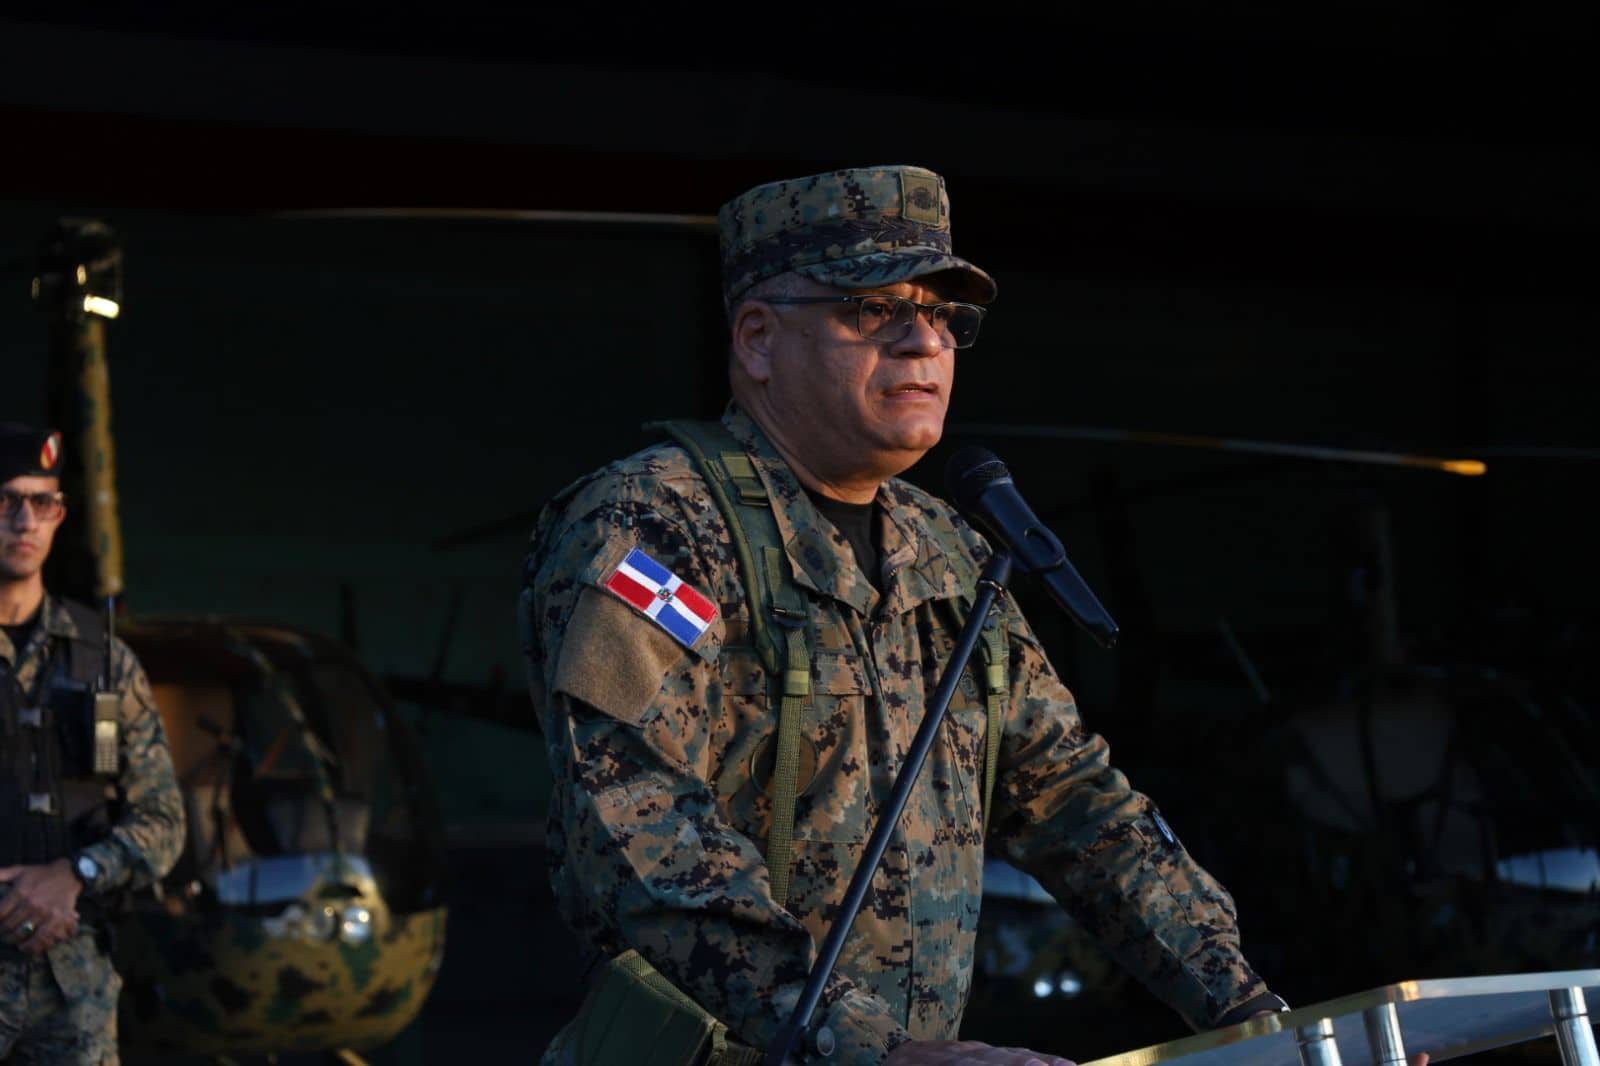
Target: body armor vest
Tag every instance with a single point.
(52, 799)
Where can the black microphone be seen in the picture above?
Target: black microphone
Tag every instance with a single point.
(982, 488)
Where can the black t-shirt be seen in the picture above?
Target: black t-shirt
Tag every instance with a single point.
(859, 524)
(22, 632)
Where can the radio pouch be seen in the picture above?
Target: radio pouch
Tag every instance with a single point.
(635, 1017)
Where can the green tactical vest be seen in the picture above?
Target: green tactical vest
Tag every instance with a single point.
(57, 747)
(632, 1015)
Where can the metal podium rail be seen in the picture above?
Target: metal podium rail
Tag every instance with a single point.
(1445, 1018)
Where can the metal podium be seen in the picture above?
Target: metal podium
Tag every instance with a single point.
(1446, 1018)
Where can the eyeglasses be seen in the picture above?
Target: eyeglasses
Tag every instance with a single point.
(887, 319)
(47, 506)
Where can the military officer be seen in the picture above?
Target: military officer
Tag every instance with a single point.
(89, 806)
(847, 310)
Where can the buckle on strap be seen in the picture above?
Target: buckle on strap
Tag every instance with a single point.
(797, 668)
(787, 618)
(41, 803)
(995, 677)
(31, 716)
(742, 472)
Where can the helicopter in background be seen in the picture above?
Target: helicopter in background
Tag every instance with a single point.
(306, 910)
(1382, 805)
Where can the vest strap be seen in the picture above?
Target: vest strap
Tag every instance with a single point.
(52, 790)
(779, 617)
(785, 785)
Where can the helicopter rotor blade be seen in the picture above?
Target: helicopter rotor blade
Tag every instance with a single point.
(521, 521)
(694, 223)
(1459, 467)
(1517, 451)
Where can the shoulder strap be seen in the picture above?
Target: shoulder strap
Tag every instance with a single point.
(778, 615)
(87, 652)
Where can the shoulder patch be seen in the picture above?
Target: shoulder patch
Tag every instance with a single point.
(613, 658)
(661, 596)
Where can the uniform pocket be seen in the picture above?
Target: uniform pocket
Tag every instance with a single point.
(958, 760)
(835, 808)
(831, 804)
(743, 723)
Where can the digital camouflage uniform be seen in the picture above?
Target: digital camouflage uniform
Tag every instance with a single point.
(62, 1008)
(659, 816)
(657, 827)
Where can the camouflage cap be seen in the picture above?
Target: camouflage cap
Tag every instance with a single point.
(853, 228)
(28, 452)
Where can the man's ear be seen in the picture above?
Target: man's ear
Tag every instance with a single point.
(754, 329)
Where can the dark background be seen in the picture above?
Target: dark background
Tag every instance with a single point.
(1372, 227)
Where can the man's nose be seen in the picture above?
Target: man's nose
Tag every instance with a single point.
(922, 339)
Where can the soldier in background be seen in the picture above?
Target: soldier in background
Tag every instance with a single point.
(846, 308)
(89, 806)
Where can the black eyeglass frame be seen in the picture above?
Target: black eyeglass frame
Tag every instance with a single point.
(859, 300)
(11, 502)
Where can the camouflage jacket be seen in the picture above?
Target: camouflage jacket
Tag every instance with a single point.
(658, 822)
(148, 831)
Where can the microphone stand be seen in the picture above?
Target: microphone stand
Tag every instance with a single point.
(820, 1041)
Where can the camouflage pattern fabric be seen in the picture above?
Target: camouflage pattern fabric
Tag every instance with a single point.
(147, 835)
(659, 812)
(857, 229)
(39, 1026)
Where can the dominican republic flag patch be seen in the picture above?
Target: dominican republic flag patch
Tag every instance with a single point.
(662, 597)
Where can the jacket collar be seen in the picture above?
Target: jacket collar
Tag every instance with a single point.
(57, 622)
(53, 619)
(916, 568)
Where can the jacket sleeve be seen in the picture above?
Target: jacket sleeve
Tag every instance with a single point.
(147, 834)
(642, 857)
(1065, 815)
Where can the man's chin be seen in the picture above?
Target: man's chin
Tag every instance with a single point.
(909, 448)
(913, 431)
(921, 438)
(13, 570)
